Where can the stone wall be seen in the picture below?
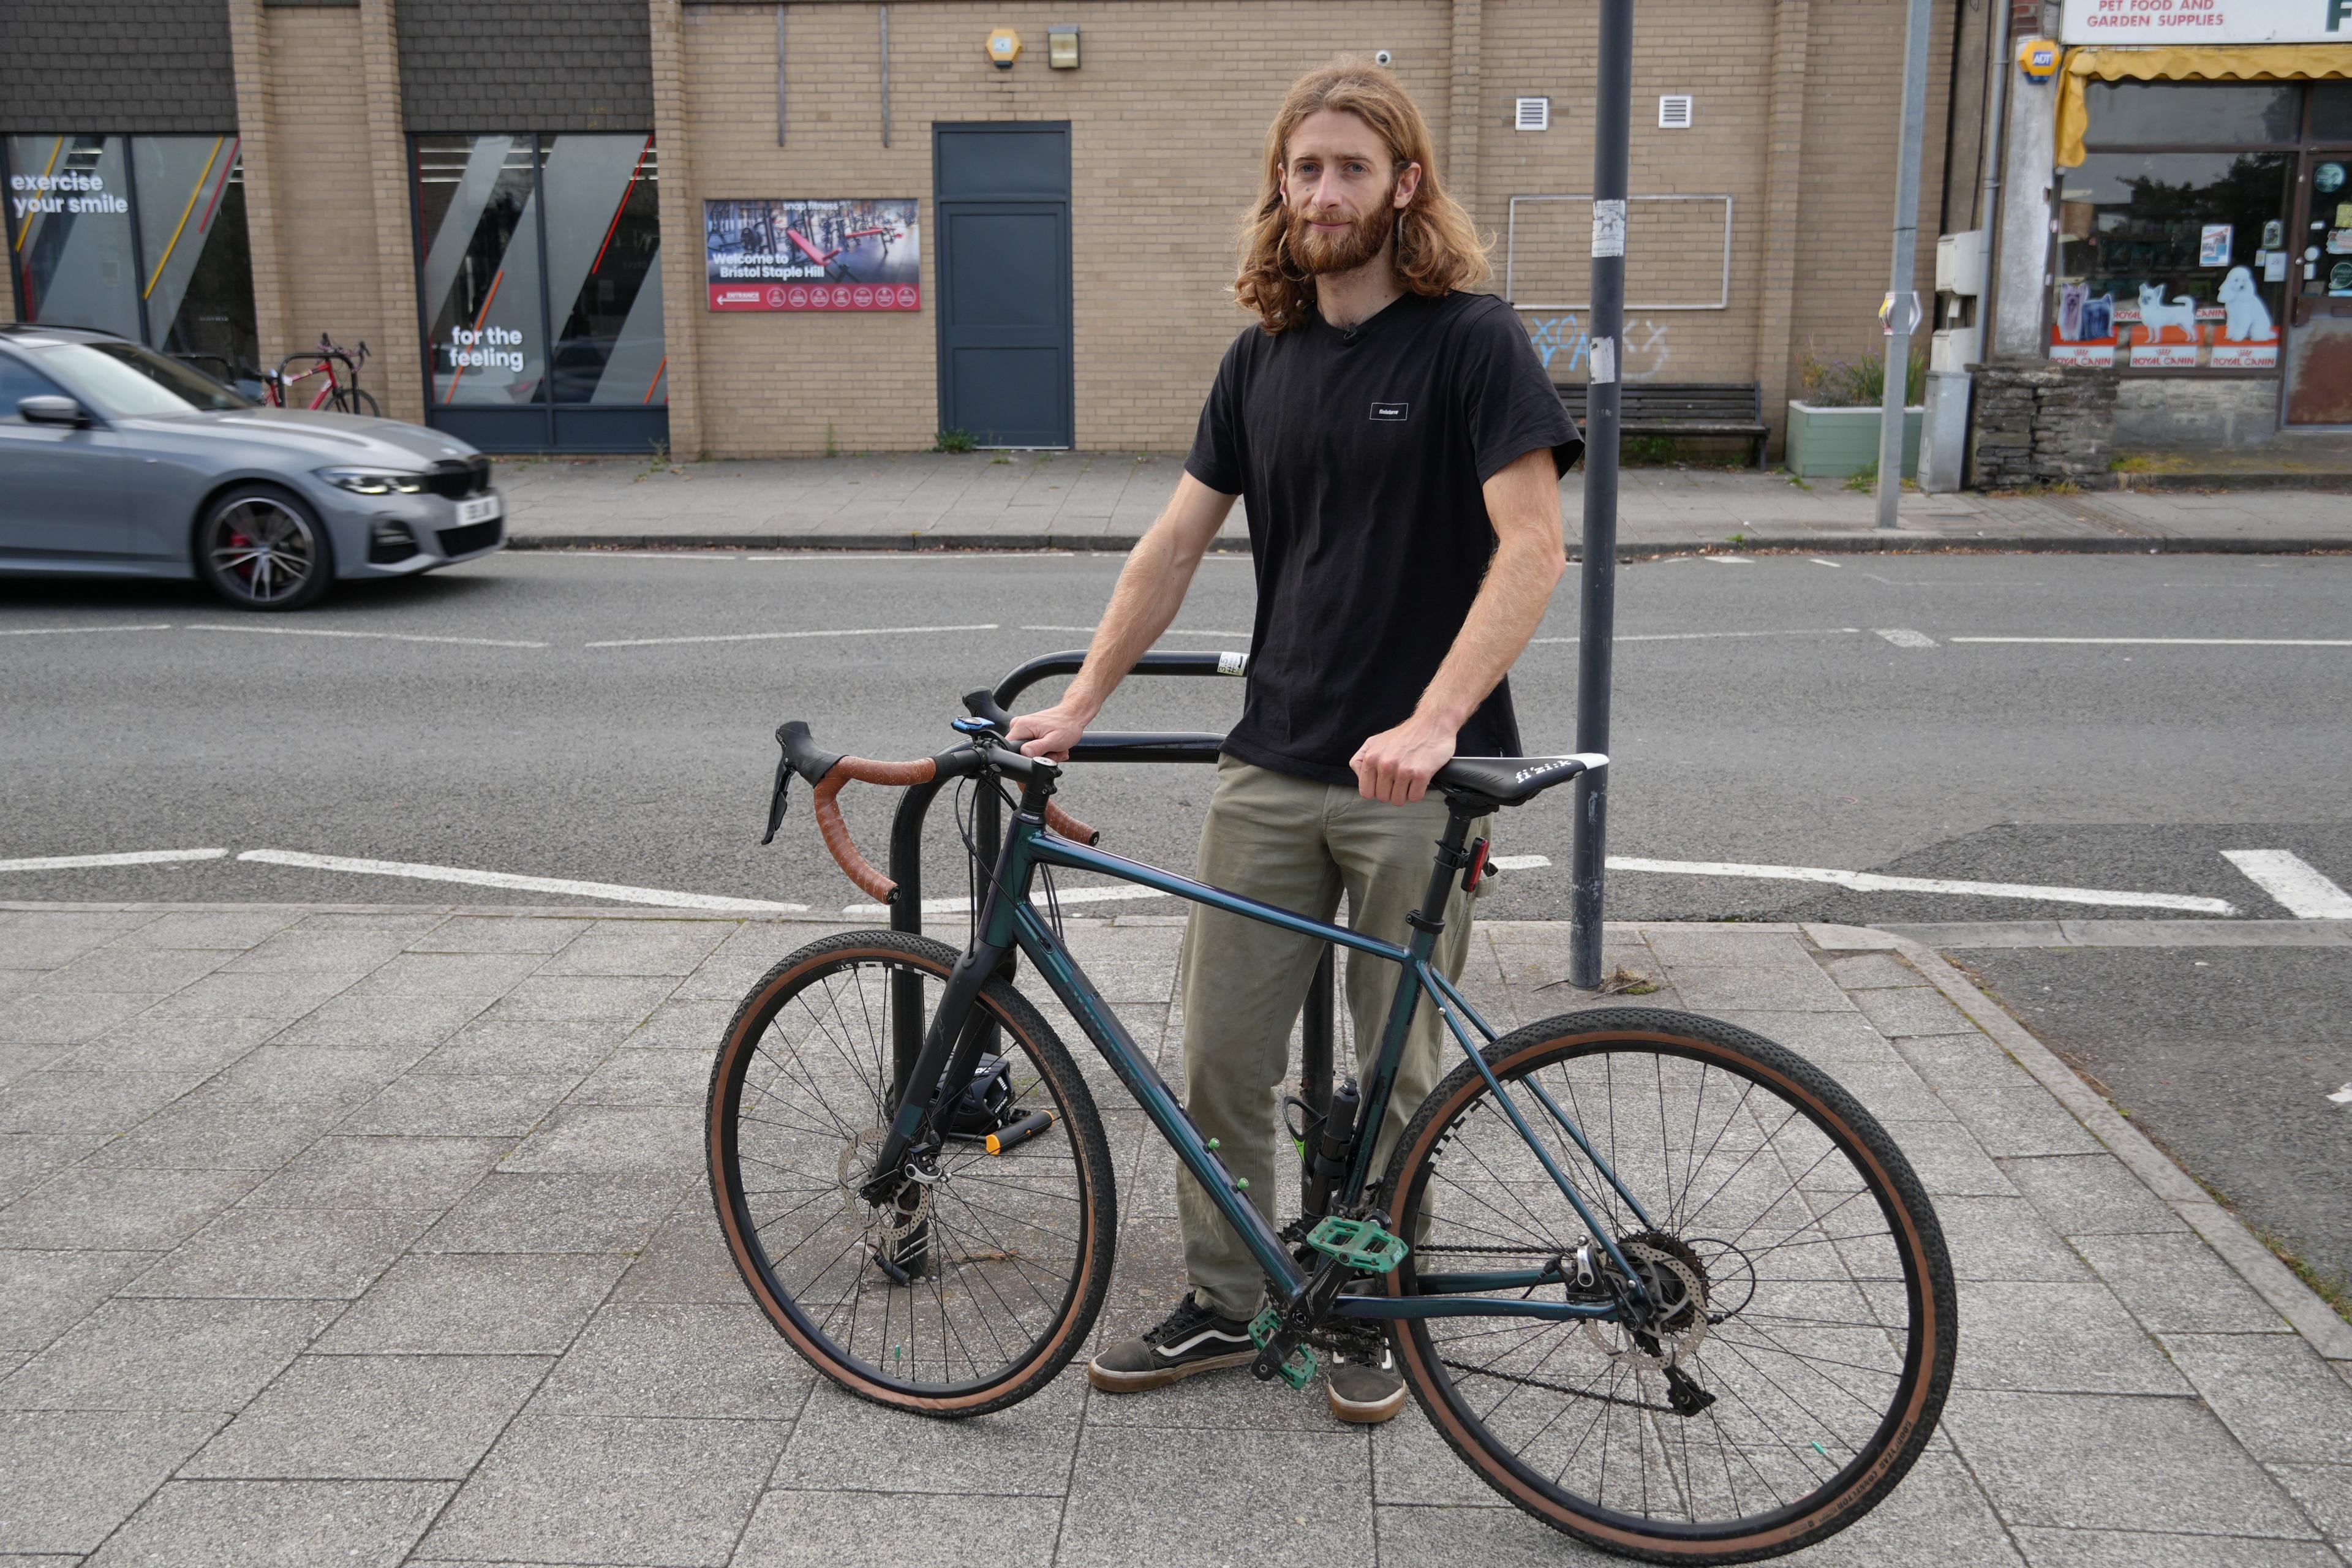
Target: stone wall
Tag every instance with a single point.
(2041, 424)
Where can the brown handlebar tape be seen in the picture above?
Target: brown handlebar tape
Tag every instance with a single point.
(836, 832)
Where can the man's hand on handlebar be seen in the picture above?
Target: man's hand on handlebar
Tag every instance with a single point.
(1050, 733)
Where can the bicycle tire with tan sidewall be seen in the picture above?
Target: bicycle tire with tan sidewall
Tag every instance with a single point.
(1930, 1334)
(1076, 1121)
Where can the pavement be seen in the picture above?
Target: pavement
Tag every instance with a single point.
(1104, 500)
(378, 1235)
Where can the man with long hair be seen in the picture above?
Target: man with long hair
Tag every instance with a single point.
(1400, 448)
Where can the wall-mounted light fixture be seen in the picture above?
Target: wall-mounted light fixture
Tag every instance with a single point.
(1061, 47)
(1004, 47)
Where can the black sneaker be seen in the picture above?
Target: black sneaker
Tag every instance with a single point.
(1190, 1339)
(1366, 1389)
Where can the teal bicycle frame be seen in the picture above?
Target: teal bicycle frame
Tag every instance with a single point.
(1009, 921)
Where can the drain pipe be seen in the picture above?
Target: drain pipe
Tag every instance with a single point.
(1987, 202)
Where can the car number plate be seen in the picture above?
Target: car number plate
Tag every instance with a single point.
(480, 509)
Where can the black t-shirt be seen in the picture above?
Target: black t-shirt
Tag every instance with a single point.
(1360, 455)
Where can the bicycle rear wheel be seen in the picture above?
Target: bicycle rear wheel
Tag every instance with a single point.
(963, 1293)
(352, 400)
(1809, 1291)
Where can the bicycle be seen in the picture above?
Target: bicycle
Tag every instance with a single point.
(343, 396)
(913, 1179)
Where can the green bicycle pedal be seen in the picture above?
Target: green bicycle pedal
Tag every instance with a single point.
(1299, 1369)
(1359, 1244)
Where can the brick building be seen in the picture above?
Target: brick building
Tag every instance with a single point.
(759, 228)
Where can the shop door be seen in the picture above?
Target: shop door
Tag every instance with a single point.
(1003, 194)
(2319, 294)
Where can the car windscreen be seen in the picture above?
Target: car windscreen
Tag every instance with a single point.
(127, 380)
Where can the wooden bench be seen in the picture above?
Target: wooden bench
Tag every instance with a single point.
(1682, 408)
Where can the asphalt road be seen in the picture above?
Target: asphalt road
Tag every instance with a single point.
(1778, 712)
(1762, 719)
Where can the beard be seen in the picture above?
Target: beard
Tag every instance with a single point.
(1320, 252)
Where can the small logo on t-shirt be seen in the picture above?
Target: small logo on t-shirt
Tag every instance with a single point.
(1392, 411)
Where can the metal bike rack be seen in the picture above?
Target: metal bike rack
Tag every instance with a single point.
(1317, 1021)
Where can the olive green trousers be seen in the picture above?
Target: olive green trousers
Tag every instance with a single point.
(1298, 844)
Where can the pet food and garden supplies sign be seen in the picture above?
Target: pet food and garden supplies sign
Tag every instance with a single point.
(838, 255)
(2206, 22)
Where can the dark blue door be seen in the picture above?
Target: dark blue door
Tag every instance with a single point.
(1003, 198)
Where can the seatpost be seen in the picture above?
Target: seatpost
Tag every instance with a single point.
(1451, 858)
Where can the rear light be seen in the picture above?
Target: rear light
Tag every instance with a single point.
(389, 542)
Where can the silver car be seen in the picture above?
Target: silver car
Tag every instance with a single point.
(116, 460)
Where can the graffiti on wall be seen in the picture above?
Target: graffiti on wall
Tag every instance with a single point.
(1562, 342)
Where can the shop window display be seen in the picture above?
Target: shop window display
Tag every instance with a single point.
(140, 235)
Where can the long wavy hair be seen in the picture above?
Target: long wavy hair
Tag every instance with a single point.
(1437, 246)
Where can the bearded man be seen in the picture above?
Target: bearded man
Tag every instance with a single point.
(1399, 448)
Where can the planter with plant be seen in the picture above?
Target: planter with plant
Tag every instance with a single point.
(1834, 424)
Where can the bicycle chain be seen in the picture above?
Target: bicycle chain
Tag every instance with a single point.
(1557, 1387)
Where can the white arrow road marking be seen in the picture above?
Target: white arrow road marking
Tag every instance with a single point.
(2343, 1096)
(128, 858)
(68, 631)
(1871, 882)
(790, 637)
(1903, 637)
(1063, 895)
(614, 892)
(2293, 883)
(371, 636)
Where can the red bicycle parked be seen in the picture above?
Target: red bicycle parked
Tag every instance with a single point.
(342, 394)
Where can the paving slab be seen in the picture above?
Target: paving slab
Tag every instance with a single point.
(425, 1271)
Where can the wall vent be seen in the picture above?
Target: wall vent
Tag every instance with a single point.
(1674, 112)
(1534, 114)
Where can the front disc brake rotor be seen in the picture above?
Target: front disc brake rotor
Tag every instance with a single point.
(883, 1222)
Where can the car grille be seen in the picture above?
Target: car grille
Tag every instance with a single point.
(455, 541)
(458, 477)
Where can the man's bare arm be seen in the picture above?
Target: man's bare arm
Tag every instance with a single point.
(1523, 500)
(1151, 588)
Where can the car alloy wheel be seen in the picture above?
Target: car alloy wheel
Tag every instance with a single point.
(263, 552)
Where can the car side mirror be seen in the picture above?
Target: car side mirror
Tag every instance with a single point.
(52, 410)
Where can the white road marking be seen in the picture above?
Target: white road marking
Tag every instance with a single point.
(1729, 560)
(1701, 637)
(375, 637)
(2343, 1096)
(1170, 632)
(1518, 862)
(927, 554)
(2177, 642)
(1063, 895)
(128, 858)
(614, 892)
(1833, 565)
(69, 631)
(1903, 637)
(1871, 882)
(2294, 882)
(788, 636)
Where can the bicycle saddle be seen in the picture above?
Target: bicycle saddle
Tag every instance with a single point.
(1512, 781)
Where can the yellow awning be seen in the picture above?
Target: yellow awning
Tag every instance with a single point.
(2274, 62)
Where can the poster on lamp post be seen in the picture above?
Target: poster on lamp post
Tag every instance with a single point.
(843, 254)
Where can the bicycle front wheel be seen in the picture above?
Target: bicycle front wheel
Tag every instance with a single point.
(963, 1292)
(352, 400)
(1801, 1282)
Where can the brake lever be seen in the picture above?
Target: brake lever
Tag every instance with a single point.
(777, 802)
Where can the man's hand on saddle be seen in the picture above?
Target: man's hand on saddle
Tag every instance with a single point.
(1396, 765)
(1050, 733)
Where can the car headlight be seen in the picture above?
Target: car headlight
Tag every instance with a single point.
(374, 481)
